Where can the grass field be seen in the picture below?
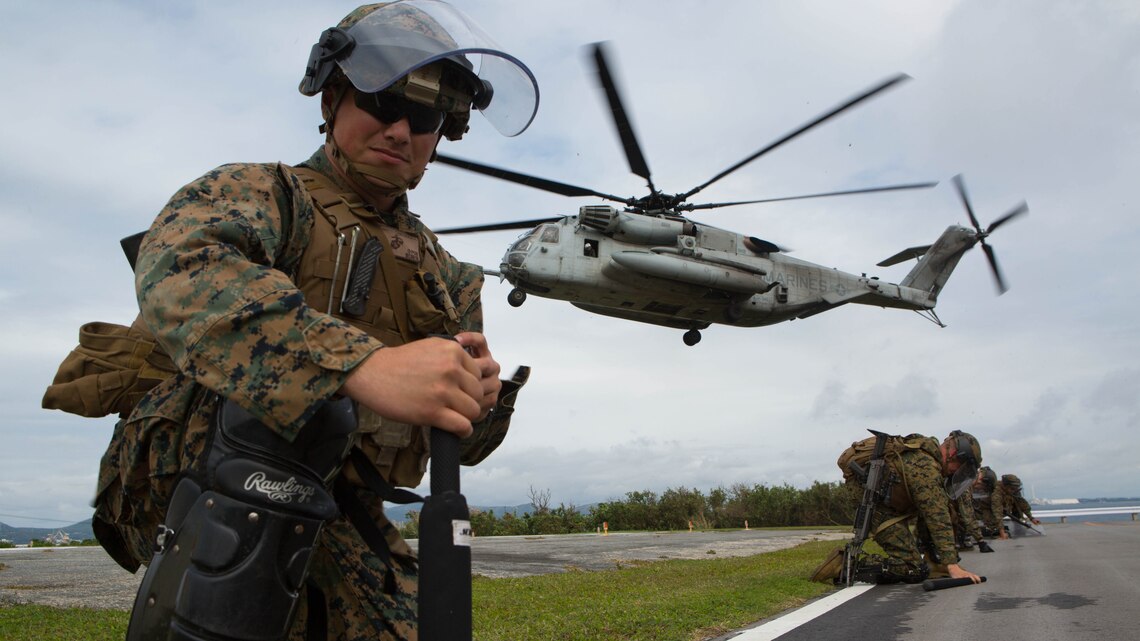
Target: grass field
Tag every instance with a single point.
(682, 600)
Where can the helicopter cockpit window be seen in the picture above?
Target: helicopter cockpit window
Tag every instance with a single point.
(590, 248)
(549, 234)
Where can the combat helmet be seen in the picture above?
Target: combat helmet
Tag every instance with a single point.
(988, 478)
(1011, 481)
(968, 453)
(430, 53)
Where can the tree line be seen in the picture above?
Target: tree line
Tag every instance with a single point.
(738, 506)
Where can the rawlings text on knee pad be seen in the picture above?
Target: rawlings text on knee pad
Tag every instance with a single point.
(234, 551)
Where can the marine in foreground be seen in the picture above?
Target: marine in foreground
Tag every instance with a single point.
(299, 331)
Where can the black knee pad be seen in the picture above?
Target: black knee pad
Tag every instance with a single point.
(903, 574)
(234, 550)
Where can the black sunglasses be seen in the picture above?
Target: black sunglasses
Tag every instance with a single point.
(390, 108)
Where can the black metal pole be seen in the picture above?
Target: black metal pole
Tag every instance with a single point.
(942, 584)
(445, 548)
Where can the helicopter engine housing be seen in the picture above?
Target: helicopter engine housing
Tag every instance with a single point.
(633, 228)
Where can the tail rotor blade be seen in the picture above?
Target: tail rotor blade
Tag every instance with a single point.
(961, 187)
(1001, 286)
(1023, 208)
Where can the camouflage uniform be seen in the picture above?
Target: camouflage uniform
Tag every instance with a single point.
(965, 521)
(919, 470)
(990, 508)
(215, 286)
(1013, 503)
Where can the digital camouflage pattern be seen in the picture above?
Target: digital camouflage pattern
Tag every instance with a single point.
(452, 93)
(214, 285)
(965, 520)
(989, 503)
(1013, 503)
(357, 14)
(929, 513)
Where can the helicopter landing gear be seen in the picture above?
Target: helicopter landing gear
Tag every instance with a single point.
(516, 297)
(691, 337)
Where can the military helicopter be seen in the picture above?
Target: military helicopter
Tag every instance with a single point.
(648, 262)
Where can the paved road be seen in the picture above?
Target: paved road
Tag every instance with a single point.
(87, 577)
(1080, 582)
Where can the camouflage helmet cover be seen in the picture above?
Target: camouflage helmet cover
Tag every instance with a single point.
(1011, 480)
(381, 47)
(988, 477)
(968, 452)
(967, 441)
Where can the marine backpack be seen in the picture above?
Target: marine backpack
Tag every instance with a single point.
(858, 457)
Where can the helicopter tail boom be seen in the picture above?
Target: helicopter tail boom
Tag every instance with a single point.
(935, 262)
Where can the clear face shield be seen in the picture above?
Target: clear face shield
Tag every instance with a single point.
(397, 38)
(962, 480)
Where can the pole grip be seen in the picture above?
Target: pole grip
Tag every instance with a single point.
(444, 462)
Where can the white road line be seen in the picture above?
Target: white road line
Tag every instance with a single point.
(796, 618)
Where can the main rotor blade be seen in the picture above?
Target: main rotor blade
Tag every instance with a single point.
(831, 114)
(868, 190)
(1023, 208)
(624, 127)
(517, 224)
(961, 186)
(562, 189)
(994, 266)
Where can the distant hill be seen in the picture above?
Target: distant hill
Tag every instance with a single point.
(24, 535)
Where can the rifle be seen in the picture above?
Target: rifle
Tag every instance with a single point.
(1026, 524)
(874, 490)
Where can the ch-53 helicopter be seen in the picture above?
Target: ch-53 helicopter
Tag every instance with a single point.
(648, 262)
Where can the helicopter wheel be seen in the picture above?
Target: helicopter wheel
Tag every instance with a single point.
(733, 312)
(516, 298)
(691, 337)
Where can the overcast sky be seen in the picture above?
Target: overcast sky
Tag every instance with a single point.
(110, 107)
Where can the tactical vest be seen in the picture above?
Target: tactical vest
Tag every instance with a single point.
(394, 292)
(378, 278)
(860, 453)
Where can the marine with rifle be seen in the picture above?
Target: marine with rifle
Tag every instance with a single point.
(967, 532)
(989, 503)
(902, 485)
(1014, 504)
